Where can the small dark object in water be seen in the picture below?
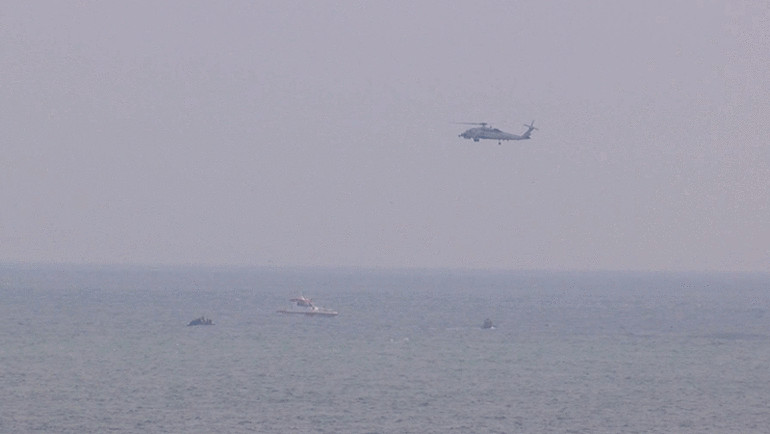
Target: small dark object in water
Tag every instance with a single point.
(201, 321)
(487, 324)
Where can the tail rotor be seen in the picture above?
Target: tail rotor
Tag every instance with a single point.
(531, 126)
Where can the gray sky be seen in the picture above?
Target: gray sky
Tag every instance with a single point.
(318, 133)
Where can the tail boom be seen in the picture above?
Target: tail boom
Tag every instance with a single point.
(530, 128)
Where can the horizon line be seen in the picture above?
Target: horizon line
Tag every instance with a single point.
(361, 268)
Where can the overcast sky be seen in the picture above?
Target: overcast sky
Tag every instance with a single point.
(309, 133)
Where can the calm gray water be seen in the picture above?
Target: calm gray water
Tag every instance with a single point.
(108, 350)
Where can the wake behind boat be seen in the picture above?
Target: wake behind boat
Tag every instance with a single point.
(310, 309)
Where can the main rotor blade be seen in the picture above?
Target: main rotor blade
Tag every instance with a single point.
(470, 123)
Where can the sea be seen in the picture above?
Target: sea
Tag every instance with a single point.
(109, 350)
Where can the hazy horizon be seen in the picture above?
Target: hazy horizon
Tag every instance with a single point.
(305, 134)
(352, 269)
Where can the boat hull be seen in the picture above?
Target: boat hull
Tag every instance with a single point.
(309, 312)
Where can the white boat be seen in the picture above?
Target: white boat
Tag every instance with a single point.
(309, 308)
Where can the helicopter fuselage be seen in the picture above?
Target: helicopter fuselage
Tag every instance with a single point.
(489, 133)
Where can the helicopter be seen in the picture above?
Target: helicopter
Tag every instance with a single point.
(484, 132)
